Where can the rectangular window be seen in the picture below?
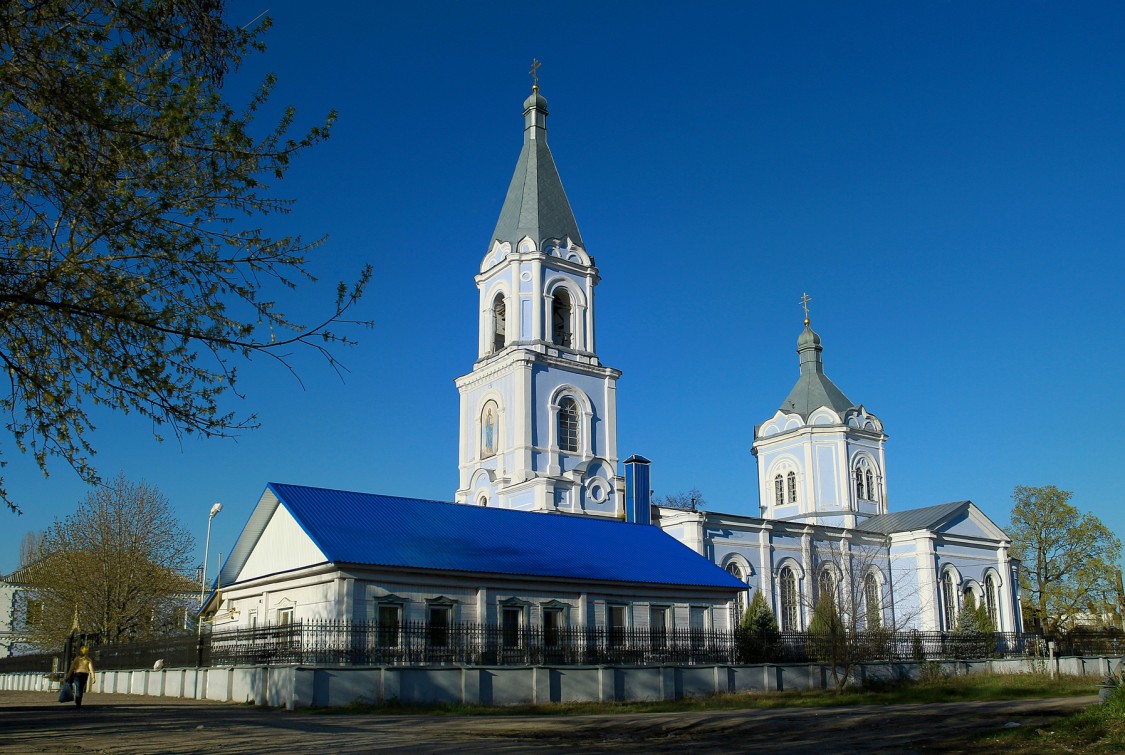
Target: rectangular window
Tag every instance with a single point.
(697, 624)
(34, 613)
(388, 627)
(552, 627)
(440, 619)
(615, 623)
(252, 618)
(511, 621)
(284, 616)
(658, 625)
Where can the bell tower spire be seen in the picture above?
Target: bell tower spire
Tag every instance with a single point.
(538, 410)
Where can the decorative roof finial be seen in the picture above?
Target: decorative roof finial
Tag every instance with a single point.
(805, 305)
(535, 74)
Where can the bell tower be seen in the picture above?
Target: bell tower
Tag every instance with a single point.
(821, 458)
(538, 411)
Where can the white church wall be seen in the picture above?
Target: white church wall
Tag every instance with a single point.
(827, 477)
(310, 597)
(914, 581)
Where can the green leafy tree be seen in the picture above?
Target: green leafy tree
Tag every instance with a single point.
(828, 640)
(118, 563)
(134, 273)
(757, 631)
(974, 631)
(1069, 558)
(973, 619)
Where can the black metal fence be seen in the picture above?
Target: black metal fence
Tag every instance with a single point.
(1089, 643)
(865, 647)
(419, 643)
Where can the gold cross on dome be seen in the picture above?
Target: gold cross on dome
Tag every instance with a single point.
(805, 305)
(535, 73)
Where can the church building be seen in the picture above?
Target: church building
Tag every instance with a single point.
(825, 528)
(550, 528)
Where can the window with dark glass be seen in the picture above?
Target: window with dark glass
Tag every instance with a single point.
(826, 587)
(511, 623)
(697, 625)
(552, 627)
(873, 602)
(870, 485)
(948, 601)
(561, 316)
(792, 480)
(990, 598)
(34, 613)
(789, 600)
(740, 600)
(779, 490)
(859, 492)
(499, 322)
(658, 625)
(440, 619)
(568, 424)
(388, 625)
(615, 623)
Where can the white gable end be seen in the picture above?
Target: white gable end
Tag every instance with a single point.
(973, 523)
(282, 546)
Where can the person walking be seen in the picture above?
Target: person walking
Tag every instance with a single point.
(80, 673)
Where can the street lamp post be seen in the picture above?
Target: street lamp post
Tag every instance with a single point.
(206, 551)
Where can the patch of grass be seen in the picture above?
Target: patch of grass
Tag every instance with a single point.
(975, 687)
(1100, 728)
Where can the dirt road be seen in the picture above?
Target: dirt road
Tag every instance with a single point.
(31, 722)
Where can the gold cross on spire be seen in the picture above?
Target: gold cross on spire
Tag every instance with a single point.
(805, 305)
(535, 74)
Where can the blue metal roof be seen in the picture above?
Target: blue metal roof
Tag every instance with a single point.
(381, 530)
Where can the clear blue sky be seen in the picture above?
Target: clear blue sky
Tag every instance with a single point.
(945, 179)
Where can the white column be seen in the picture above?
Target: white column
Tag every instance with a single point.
(590, 313)
(808, 588)
(609, 450)
(929, 603)
(537, 297)
(1007, 594)
(765, 565)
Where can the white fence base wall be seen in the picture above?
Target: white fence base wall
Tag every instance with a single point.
(302, 686)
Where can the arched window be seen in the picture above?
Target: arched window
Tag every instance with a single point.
(789, 598)
(859, 490)
(870, 486)
(792, 480)
(740, 600)
(873, 602)
(489, 429)
(990, 598)
(561, 312)
(948, 601)
(499, 322)
(826, 586)
(568, 424)
(778, 491)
